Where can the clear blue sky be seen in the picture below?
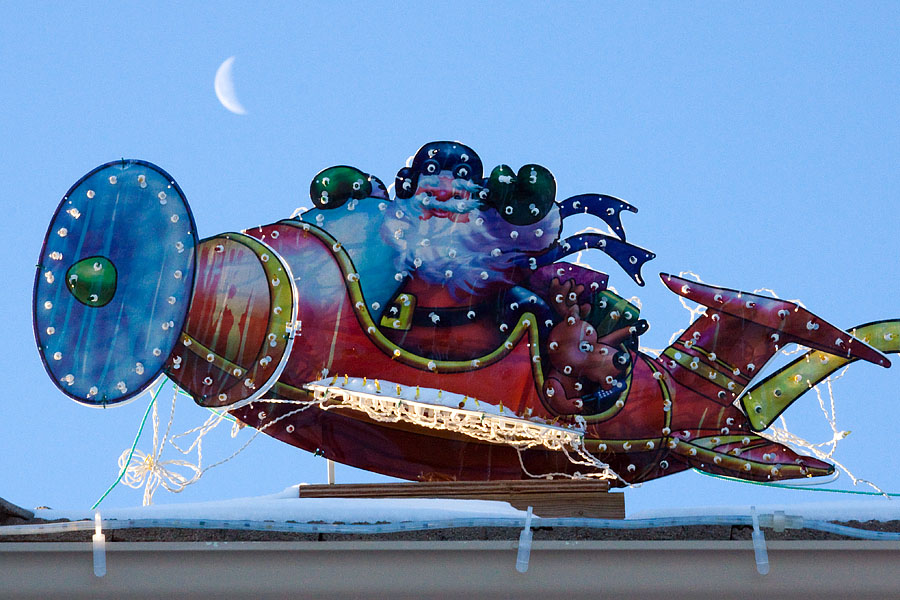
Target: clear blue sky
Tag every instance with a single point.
(759, 141)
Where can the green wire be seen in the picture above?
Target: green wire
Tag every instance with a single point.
(224, 415)
(178, 390)
(133, 446)
(795, 487)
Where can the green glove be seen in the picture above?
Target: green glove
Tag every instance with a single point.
(335, 185)
(524, 198)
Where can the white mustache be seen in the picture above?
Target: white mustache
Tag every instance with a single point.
(457, 205)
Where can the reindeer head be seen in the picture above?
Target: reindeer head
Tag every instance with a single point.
(580, 360)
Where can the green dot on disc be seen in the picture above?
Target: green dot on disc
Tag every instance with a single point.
(92, 281)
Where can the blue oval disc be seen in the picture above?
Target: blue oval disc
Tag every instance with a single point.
(114, 282)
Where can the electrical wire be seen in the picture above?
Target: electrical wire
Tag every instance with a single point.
(786, 486)
(133, 445)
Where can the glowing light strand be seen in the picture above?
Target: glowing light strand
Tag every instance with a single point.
(519, 433)
(134, 444)
(150, 471)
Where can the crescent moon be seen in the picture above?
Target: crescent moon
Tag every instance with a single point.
(225, 88)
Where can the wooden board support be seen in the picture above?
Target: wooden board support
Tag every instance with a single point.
(549, 498)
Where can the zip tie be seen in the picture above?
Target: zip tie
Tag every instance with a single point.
(779, 522)
(759, 544)
(99, 547)
(524, 553)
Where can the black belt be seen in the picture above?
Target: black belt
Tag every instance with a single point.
(601, 400)
(425, 316)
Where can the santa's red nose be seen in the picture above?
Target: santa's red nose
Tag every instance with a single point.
(443, 193)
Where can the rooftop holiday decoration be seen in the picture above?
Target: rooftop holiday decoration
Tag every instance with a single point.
(436, 334)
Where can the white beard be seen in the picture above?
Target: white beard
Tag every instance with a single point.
(461, 255)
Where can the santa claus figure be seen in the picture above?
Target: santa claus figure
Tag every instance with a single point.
(463, 243)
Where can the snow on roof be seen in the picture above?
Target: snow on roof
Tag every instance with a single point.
(872, 509)
(287, 506)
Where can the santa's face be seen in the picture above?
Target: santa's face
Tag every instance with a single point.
(443, 196)
(446, 235)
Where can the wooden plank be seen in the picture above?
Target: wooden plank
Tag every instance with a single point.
(548, 498)
(600, 505)
(416, 489)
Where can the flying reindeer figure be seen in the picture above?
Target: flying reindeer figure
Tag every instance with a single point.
(586, 370)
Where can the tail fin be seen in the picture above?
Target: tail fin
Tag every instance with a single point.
(766, 400)
(721, 352)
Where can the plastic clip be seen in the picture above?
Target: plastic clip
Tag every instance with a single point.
(293, 329)
(779, 521)
(759, 545)
(99, 547)
(524, 554)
